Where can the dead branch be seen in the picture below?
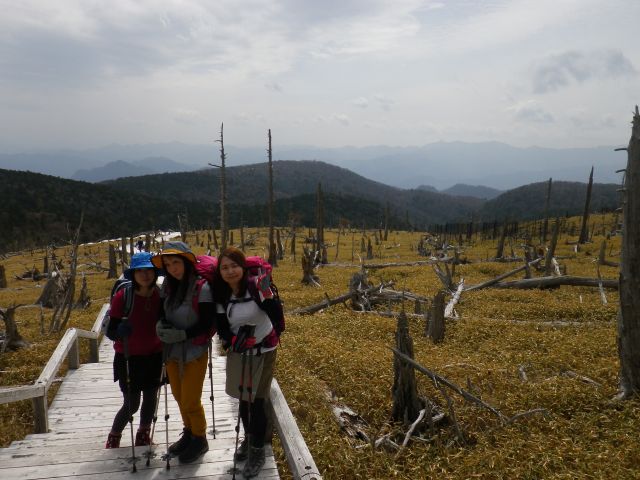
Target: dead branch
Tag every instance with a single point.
(460, 391)
(542, 282)
(333, 301)
(495, 280)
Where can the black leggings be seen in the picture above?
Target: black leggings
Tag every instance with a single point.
(258, 426)
(149, 399)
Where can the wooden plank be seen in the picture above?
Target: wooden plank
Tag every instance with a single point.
(58, 356)
(298, 456)
(23, 392)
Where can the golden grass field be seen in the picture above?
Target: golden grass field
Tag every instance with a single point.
(584, 434)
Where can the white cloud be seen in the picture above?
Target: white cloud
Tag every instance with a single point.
(360, 102)
(530, 111)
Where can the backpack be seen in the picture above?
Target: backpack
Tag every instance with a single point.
(205, 270)
(257, 266)
(120, 284)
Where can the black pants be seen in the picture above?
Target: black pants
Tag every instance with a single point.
(258, 427)
(149, 400)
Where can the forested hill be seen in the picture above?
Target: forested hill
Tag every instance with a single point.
(247, 184)
(567, 198)
(37, 209)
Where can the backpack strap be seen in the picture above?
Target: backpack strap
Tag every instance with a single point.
(128, 295)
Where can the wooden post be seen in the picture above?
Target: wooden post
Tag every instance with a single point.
(406, 405)
(629, 312)
(73, 357)
(40, 414)
(584, 230)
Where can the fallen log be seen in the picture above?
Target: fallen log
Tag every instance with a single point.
(495, 280)
(569, 280)
(333, 301)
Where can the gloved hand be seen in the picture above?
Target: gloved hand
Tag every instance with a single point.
(124, 330)
(243, 344)
(169, 334)
(263, 283)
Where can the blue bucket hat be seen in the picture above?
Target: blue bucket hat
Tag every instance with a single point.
(138, 261)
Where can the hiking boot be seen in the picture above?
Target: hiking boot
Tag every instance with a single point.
(255, 462)
(113, 441)
(197, 446)
(242, 452)
(143, 437)
(179, 447)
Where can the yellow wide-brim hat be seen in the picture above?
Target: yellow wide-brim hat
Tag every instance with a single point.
(173, 248)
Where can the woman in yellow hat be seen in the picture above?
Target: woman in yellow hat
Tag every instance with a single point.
(185, 330)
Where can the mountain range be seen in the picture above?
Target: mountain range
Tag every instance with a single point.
(441, 165)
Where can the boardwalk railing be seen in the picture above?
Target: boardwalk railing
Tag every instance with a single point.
(68, 350)
(298, 456)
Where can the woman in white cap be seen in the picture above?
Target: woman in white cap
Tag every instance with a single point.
(185, 330)
(135, 309)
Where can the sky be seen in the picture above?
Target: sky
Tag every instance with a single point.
(87, 73)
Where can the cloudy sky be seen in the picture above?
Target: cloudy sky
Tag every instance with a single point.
(87, 73)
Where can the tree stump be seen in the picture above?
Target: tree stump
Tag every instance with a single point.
(12, 339)
(308, 264)
(406, 405)
(436, 327)
(84, 300)
(369, 249)
(53, 291)
(3, 277)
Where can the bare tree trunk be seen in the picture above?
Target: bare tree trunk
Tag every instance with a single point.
(547, 202)
(279, 246)
(308, 264)
(436, 327)
(629, 313)
(3, 277)
(273, 254)
(406, 405)
(113, 267)
(320, 226)
(223, 193)
(386, 222)
(369, 249)
(293, 246)
(241, 234)
(123, 253)
(215, 240)
(584, 230)
(548, 261)
(503, 234)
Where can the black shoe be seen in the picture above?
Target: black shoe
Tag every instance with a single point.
(255, 462)
(243, 451)
(179, 447)
(197, 446)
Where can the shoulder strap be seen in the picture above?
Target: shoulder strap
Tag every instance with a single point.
(128, 295)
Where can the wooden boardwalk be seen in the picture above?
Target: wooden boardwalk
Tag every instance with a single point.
(80, 418)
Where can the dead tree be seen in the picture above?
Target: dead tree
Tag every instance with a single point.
(320, 226)
(584, 230)
(386, 222)
(223, 195)
(279, 246)
(215, 239)
(545, 225)
(241, 233)
(436, 327)
(123, 253)
(503, 234)
(53, 291)
(406, 405)
(629, 312)
(12, 338)
(84, 300)
(548, 261)
(62, 313)
(369, 249)
(3, 277)
(308, 265)
(113, 267)
(293, 246)
(273, 254)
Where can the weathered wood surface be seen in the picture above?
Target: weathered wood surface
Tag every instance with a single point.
(80, 418)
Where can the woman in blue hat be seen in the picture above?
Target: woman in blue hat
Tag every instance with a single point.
(132, 326)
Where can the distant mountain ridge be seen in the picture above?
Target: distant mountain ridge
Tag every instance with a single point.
(136, 168)
(476, 191)
(440, 164)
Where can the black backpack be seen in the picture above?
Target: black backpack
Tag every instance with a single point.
(127, 286)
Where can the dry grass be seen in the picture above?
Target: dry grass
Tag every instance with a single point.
(583, 435)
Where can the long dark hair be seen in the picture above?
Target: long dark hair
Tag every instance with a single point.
(177, 289)
(221, 289)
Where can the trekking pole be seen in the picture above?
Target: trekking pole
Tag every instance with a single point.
(213, 410)
(166, 407)
(250, 390)
(155, 415)
(241, 388)
(125, 342)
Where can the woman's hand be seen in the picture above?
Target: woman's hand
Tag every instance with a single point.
(243, 344)
(169, 334)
